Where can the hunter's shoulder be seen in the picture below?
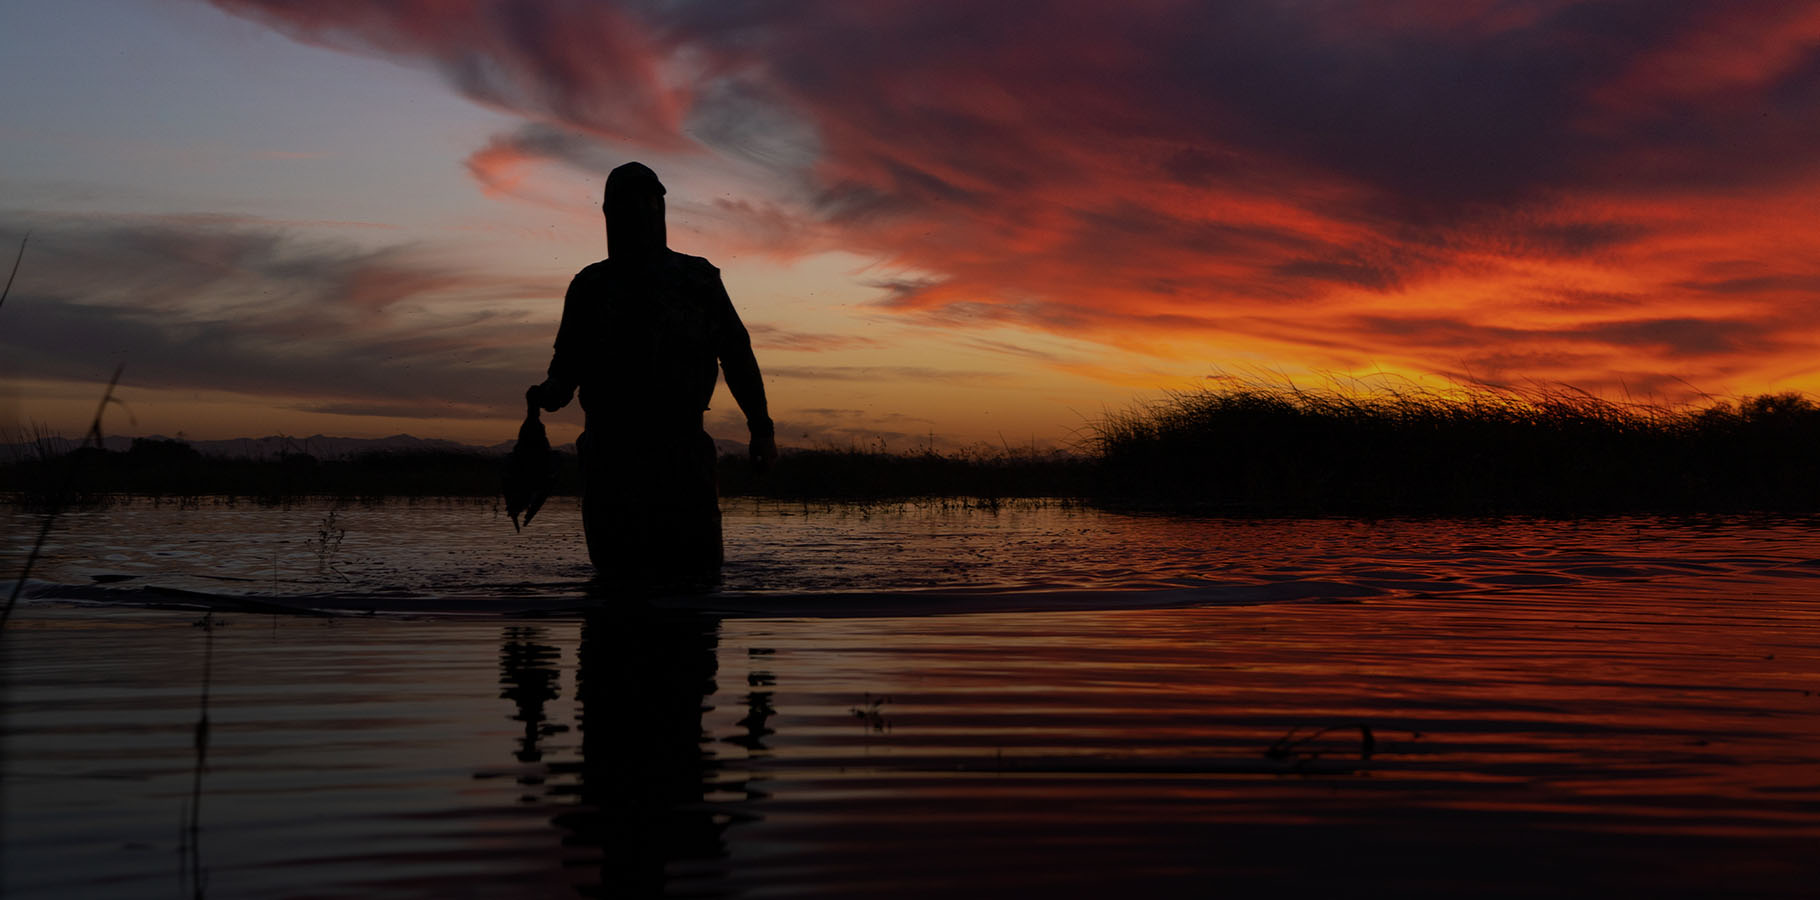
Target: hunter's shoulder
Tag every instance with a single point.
(693, 264)
(590, 273)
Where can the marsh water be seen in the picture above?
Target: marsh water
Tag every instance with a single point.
(411, 700)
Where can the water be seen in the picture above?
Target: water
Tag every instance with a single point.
(1136, 704)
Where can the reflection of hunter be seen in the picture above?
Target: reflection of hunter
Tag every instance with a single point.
(643, 333)
(643, 680)
(530, 676)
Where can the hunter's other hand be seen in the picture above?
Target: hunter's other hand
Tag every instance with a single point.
(764, 452)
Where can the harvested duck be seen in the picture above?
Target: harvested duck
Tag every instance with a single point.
(530, 469)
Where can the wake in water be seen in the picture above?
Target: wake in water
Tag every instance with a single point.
(526, 600)
(459, 559)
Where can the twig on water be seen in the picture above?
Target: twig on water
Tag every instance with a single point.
(1289, 746)
(869, 712)
(69, 482)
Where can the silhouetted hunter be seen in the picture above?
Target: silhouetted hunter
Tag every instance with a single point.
(643, 334)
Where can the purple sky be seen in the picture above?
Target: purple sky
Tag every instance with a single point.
(972, 222)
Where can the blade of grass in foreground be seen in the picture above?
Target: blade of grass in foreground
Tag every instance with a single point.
(15, 273)
(69, 481)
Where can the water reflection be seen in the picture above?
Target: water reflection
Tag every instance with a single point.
(648, 766)
(758, 707)
(756, 723)
(530, 677)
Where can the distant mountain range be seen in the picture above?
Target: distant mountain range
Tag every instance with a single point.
(317, 445)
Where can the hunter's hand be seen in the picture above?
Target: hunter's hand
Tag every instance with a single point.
(764, 452)
(550, 396)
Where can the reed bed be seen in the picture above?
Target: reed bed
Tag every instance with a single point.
(1250, 448)
(1277, 448)
(170, 469)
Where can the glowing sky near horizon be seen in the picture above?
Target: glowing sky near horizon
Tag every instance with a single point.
(977, 222)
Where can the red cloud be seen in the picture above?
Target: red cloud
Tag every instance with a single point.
(1438, 186)
(498, 166)
(587, 64)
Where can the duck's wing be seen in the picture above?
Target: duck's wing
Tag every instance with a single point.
(542, 479)
(516, 498)
(535, 505)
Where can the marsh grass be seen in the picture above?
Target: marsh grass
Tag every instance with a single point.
(165, 469)
(327, 543)
(1259, 447)
(162, 469)
(1238, 448)
(69, 472)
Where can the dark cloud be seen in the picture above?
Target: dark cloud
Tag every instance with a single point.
(1097, 169)
(330, 327)
(1686, 338)
(1351, 272)
(883, 373)
(548, 57)
(1687, 350)
(770, 337)
(961, 103)
(1678, 336)
(1570, 240)
(1758, 284)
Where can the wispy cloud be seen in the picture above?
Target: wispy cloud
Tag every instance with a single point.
(1291, 178)
(314, 324)
(897, 374)
(770, 337)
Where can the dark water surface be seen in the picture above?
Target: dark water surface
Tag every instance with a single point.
(1126, 705)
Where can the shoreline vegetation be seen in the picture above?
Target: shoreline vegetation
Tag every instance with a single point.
(1234, 449)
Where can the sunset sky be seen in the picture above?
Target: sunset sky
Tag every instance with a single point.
(967, 220)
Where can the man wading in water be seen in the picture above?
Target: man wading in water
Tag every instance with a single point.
(641, 333)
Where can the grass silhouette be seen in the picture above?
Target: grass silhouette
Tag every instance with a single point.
(166, 468)
(1239, 448)
(1276, 448)
(65, 491)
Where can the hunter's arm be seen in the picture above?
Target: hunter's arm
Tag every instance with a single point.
(740, 367)
(571, 349)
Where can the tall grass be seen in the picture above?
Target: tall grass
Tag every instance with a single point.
(1252, 448)
(159, 468)
(1269, 448)
(66, 488)
(164, 468)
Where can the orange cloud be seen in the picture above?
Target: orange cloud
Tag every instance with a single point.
(1610, 193)
(498, 167)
